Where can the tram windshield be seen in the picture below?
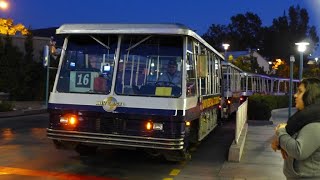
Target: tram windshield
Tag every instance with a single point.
(147, 66)
(87, 65)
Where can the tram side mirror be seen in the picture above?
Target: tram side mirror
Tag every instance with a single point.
(46, 56)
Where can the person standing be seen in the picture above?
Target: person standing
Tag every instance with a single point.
(299, 139)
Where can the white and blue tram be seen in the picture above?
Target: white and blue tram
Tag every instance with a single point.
(107, 90)
(231, 89)
(280, 86)
(252, 83)
(238, 85)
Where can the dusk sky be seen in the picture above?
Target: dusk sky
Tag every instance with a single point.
(197, 14)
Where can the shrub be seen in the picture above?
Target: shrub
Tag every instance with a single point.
(260, 106)
(6, 106)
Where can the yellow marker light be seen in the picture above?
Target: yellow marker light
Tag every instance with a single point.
(149, 125)
(229, 102)
(72, 120)
(188, 123)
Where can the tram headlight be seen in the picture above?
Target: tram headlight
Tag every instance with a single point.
(158, 126)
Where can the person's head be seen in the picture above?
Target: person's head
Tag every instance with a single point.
(308, 93)
(172, 67)
(93, 61)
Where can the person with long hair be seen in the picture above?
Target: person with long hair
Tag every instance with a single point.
(299, 139)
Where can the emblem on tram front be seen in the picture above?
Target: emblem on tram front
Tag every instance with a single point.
(109, 104)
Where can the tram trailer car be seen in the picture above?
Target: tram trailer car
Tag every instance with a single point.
(107, 90)
(231, 89)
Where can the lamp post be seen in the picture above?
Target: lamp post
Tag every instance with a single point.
(225, 47)
(270, 66)
(302, 46)
(292, 59)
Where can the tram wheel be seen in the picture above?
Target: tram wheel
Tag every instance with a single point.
(85, 150)
(177, 156)
(153, 153)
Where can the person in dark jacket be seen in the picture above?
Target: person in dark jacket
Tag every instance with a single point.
(299, 139)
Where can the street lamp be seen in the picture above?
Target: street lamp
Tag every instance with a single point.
(4, 5)
(225, 47)
(302, 46)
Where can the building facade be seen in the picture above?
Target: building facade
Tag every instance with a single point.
(262, 62)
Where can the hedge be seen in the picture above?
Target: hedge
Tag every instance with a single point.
(260, 106)
(6, 106)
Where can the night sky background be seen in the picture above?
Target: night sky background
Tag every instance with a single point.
(197, 14)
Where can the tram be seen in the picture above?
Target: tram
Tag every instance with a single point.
(231, 89)
(238, 85)
(108, 93)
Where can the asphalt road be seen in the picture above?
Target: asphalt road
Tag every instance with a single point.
(26, 153)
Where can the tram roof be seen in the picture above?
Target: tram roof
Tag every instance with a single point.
(157, 29)
(123, 29)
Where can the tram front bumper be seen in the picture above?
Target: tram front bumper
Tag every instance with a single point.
(100, 139)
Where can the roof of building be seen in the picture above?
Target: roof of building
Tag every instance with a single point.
(237, 54)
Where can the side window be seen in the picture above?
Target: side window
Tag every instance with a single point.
(202, 66)
(191, 75)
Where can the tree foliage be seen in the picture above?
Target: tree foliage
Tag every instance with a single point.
(245, 31)
(8, 27)
(10, 62)
(313, 72)
(280, 38)
(33, 73)
(216, 35)
(275, 42)
(241, 33)
(20, 75)
(248, 64)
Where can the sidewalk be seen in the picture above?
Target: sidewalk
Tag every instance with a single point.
(22, 108)
(259, 161)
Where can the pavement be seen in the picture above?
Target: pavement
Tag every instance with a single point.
(258, 161)
(22, 108)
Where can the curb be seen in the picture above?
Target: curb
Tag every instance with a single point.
(22, 113)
